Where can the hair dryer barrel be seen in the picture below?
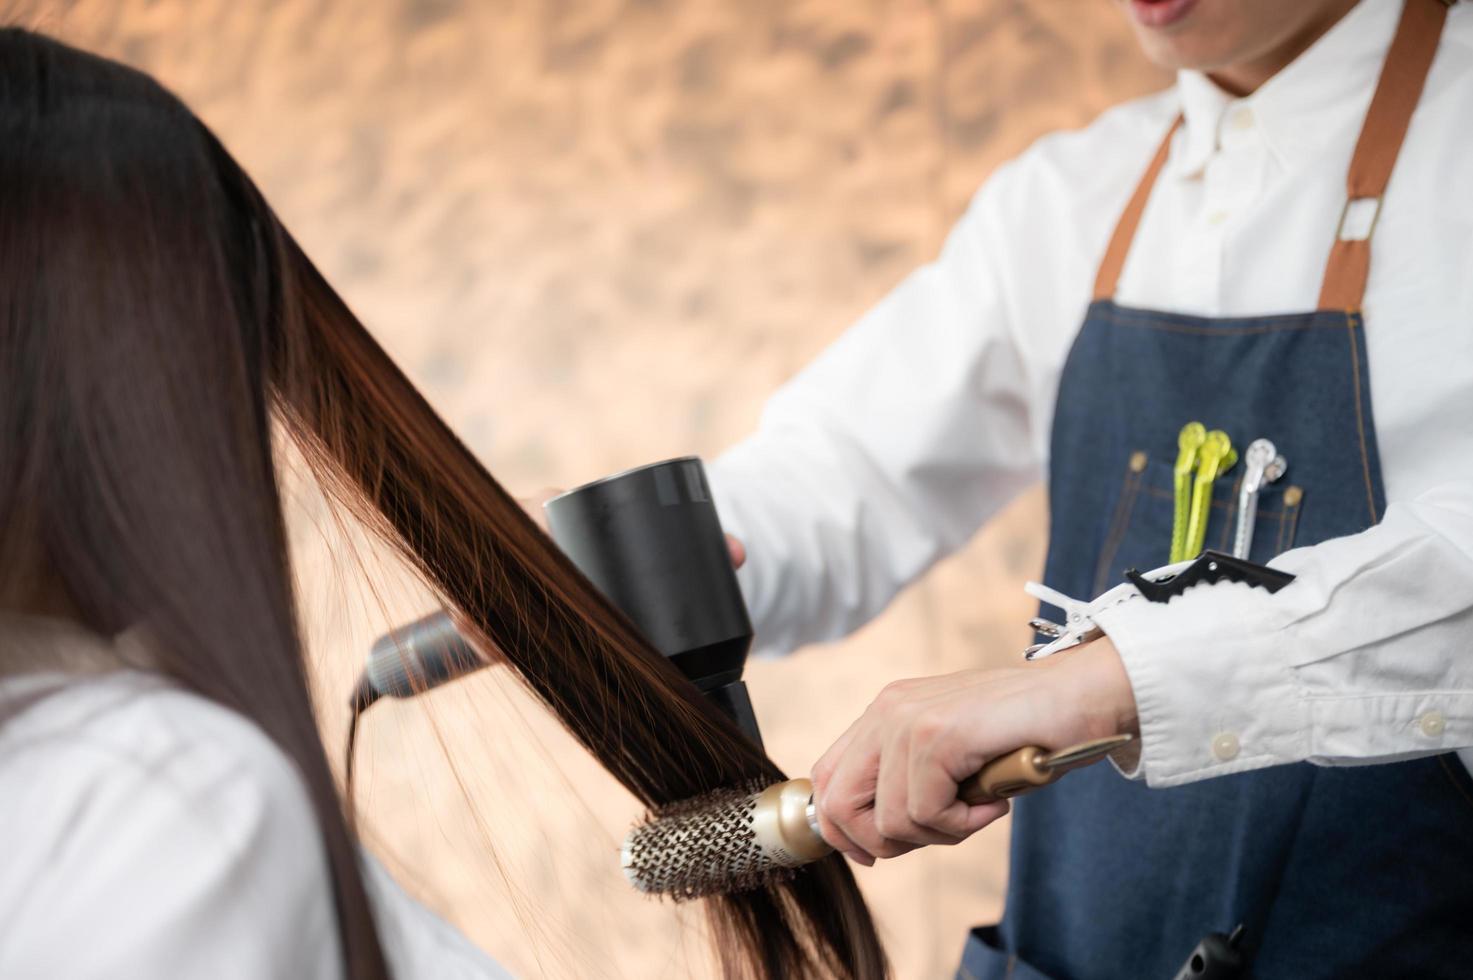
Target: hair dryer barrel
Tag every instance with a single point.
(650, 540)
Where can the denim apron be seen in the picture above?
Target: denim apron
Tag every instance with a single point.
(1334, 872)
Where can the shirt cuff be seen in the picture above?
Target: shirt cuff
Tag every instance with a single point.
(1215, 687)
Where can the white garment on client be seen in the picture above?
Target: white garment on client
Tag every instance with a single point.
(150, 832)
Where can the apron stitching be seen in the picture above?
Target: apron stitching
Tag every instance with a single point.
(1293, 522)
(1281, 321)
(1129, 490)
(1360, 421)
(1217, 331)
(1160, 494)
(1453, 777)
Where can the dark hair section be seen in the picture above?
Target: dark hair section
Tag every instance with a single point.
(155, 319)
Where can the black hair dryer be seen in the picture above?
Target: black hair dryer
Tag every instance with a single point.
(650, 540)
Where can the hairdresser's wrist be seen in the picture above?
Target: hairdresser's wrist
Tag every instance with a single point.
(1094, 690)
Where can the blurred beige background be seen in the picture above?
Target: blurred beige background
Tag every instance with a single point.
(598, 233)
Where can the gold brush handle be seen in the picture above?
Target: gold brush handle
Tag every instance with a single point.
(1008, 775)
(1030, 767)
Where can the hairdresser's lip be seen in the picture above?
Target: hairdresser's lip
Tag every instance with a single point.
(1160, 13)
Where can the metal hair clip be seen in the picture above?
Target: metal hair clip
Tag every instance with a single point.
(1158, 585)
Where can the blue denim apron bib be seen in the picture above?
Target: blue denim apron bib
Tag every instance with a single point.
(1335, 872)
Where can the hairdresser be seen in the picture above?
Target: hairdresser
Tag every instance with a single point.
(1279, 247)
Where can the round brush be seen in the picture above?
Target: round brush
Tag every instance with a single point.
(748, 836)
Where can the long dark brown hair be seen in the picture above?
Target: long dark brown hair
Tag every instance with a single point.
(156, 323)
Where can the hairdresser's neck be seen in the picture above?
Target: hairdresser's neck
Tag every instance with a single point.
(1245, 76)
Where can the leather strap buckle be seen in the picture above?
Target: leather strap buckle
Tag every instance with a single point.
(1358, 219)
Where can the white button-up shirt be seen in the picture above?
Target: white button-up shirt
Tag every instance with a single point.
(899, 441)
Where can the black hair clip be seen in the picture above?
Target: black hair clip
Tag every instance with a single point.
(1210, 567)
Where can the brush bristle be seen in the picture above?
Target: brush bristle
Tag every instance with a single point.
(701, 846)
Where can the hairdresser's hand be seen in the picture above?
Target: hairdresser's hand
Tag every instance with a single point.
(738, 551)
(888, 785)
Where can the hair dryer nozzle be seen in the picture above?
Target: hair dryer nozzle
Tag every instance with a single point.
(414, 658)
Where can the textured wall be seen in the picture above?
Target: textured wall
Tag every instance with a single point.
(599, 232)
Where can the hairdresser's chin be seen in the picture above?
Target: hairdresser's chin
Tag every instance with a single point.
(1240, 43)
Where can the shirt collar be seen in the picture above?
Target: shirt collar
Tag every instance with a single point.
(1325, 88)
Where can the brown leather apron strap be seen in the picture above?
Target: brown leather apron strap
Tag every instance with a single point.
(1400, 87)
(1402, 77)
(1114, 260)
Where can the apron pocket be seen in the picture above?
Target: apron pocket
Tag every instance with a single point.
(1139, 532)
(983, 958)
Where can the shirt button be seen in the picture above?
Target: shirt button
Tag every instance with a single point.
(1432, 724)
(1217, 217)
(1225, 746)
(1243, 119)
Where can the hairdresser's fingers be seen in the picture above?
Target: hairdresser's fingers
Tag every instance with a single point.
(932, 798)
(533, 505)
(874, 720)
(840, 841)
(848, 791)
(962, 821)
(820, 775)
(737, 549)
(862, 830)
(823, 770)
(844, 777)
(839, 810)
(894, 830)
(850, 798)
(947, 746)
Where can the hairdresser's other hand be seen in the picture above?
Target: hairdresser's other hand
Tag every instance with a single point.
(888, 785)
